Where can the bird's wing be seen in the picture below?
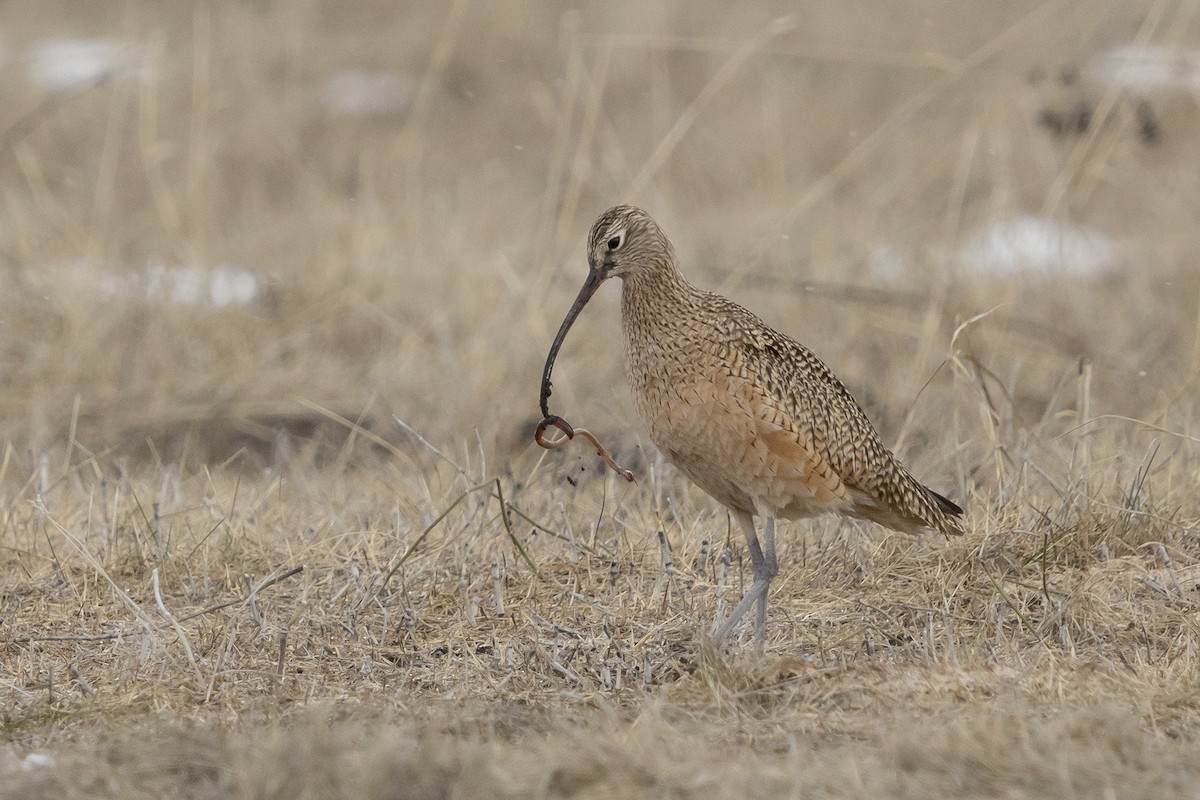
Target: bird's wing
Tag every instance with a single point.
(810, 417)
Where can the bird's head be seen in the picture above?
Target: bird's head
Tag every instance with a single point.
(624, 243)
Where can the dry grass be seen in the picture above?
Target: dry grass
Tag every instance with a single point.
(476, 617)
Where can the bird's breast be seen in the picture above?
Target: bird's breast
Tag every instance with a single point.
(710, 414)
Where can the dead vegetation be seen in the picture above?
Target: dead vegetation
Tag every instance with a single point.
(304, 545)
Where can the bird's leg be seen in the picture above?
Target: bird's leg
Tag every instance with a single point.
(756, 552)
(770, 567)
(758, 590)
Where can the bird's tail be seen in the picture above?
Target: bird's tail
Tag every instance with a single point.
(948, 514)
(909, 506)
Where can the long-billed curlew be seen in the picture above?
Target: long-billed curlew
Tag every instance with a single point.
(748, 414)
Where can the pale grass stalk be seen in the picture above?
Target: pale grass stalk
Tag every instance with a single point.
(687, 118)
(150, 146)
(416, 126)
(558, 156)
(498, 589)
(198, 150)
(428, 445)
(183, 639)
(1084, 146)
(592, 107)
(147, 624)
(71, 434)
(104, 193)
(819, 189)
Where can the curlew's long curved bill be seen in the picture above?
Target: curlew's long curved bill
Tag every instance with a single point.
(590, 285)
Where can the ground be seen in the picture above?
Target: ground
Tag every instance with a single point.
(278, 280)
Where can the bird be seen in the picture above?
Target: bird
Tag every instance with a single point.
(748, 414)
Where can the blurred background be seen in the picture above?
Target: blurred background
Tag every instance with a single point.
(225, 226)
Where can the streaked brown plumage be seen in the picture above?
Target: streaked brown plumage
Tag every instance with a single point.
(751, 416)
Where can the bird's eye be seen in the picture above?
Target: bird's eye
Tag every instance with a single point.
(615, 242)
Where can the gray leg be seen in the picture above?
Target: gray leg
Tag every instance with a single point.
(756, 553)
(764, 569)
(770, 568)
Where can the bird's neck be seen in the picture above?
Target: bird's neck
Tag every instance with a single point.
(656, 296)
(660, 315)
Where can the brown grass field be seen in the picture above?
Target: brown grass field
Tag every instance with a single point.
(302, 545)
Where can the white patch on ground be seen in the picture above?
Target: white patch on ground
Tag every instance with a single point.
(1146, 68)
(206, 287)
(1026, 244)
(63, 63)
(37, 761)
(351, 92)
(196, 286)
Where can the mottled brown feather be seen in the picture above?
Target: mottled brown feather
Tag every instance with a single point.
(747, 413)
